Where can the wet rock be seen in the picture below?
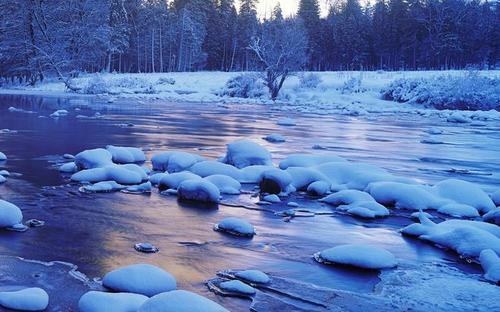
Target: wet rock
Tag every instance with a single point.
(146, 248)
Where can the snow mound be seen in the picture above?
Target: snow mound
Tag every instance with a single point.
(103, 187)
(361, 256)
(356, 203)
(464, 193)
(145, 187)
(404, 196)
(208, 168)
(172, 181)
(59, 113)
(96, 301)
(94, 158)
(126, 155)
(493, 216)
(273, 198)
(174, 161)
(253, 276)
(235, 226)
(10, 214)
(306, 160)
(3, 157)
(318, 188)
(495, 197)
(275, 138)
(142, 279)
(70, 167)
(28, 299)
(128, 174)
(253, 174)
(275, 181)
(490, 262)
(459, 210)
(180, 301)
(4, 173)
(156, 178)
(226, 184)
(246, 153)
(199, 190)
(236, 286)
(2, 179)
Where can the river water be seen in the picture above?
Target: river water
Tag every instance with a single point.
(96, 232)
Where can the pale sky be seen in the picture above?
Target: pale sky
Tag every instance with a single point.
(289, 7)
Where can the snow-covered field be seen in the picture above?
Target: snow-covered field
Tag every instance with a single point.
(347, 92)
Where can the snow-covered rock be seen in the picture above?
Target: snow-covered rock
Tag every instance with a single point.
(10, 214)
(235, 226)
(464, 192)
(59, 113)
(156, 178)
(275, 138)
(361, 256)
(2, 179)
(356, 203)
(4, 173)
(180, 301)
(172, 181)
(491, 265)
(307, 160)
(253, 276)
(495, 197)
(3, 157)
(318, 188)
(226, 184)
(198, 190)
(253, 174)
(28, 299)
(103, 187)
(96, 301)
(236, 286)
(402, 195)
(208, 168)
(272, 198)
(95, 158)
(70, 167)
(459, 210)
(126, 155)
(145, 187)
(246, 153)
(175, 161)
(275, 181)
(493, 216)
(128, 174)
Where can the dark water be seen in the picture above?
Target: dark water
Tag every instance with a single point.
(97, 232)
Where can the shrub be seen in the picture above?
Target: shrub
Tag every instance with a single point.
(244, 86)
(309, 80)
(353, 85)
(96, 85)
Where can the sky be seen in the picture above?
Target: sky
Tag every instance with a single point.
(289, 7)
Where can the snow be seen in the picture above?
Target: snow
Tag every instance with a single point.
(491, 265)
(145, 187)
(126, 155)
(96, 301)
(275, 138)
(493, 216)
(94, 158)
(59, 113)
(156, 178)
(211, 167)
(128, 174)
(361, 256)
(172, 181)
(318, 188)
(2, 179)
(70, 167)
(103, 187)
(235, 226)
(459, 210)
(180, 301)
(253, 276)
(237, 287)
(289, 122)
(142, 279)
(246, 153)
(495, 197)
(404, 196)
(3, 157)
(464, 193)
(356, 203)
(306, 160)
(4, 173)
(275, 181)
(10, 214)
(226, 184)
(272, 198)
(198, 190)
(174, 161)
(28, 299)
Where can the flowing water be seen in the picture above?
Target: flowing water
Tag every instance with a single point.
(96, 232)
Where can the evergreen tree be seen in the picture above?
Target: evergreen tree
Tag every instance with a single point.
(309, 12)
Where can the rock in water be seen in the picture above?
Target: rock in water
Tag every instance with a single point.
(3, 157)
(491, 265)
(253, 276)
(96, 301)
(142, 279)
(235, 226)
(28, 299)
(361, 256)
(238, 287)
(246, 153)
(199, 190)
(10, 214)
(180, 301)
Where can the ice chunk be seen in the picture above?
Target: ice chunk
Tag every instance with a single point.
(246, 153)
(235, 226)
(275, 138)
(180, 301)
(306, 160)
(96, 301)
(95, 158)
(253, 276)
(236, 286)
(175, 161)
(10, 214)
(172, 181)
(3, 157)
(464, 193)
(361, 256)
(286, 122)
(142, 279)
(126, 155)
(199, 190)
(459, 210)
(208, 168)
(226, 184)
(318, 188)
(68, 168)
(28, 299)
(491, 265)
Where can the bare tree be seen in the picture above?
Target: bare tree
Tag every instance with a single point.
(281, 48)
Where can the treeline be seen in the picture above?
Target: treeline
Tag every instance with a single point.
(70, 36)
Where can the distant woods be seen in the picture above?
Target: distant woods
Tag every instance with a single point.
(65, 37)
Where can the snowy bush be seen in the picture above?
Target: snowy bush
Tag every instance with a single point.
(466, 92)
(309, 80)
(166, 80)
(96, 85)
(353, 85)
(244, 86)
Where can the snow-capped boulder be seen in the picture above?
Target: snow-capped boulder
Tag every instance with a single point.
(2, 179)
(405, 196)
(307, 160)
(226, 184)
(238, 287)
(172, 181)
(103, 187)
(246, 153)
(68, 168)
(156, 178)
(3, 157)
(95, 158)
(493, 216)
(180, 301)
(272, 198)
(235, 226)
(356, 203)
(464, 192)
(128, 174)
(59, 113)
(495, 197)
(28, 299)
(4, 173)
(198, 190)
(275, 138)
(318, 188)
(126, 155)
(208, 168)
(145, 187)
(253, 174)
(302, 177)
(347, 197)
(10, 214)
(96, 301)
(275, 181)
(142, 279)
(253, 276)
(490, 262)
(175, 161)
(459, 210)
(361, 256)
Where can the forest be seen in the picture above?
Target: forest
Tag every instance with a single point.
(65, 37)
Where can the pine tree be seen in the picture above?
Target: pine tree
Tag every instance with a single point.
(309, 12)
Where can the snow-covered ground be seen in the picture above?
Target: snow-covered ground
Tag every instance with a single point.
(347, 92)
